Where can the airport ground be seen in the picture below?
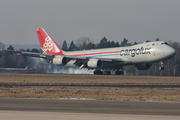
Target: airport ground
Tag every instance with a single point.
(70, 102)
(98, 93)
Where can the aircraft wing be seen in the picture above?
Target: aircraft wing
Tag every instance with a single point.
(113, 60)
(32, 54)
(51, 56)
(102, 59)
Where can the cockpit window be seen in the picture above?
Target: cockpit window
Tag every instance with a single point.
(164, 43)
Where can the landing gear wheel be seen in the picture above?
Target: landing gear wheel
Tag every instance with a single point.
(95, 72)
(161, 68)
(106, 72)
(119, 73)
(98, 72)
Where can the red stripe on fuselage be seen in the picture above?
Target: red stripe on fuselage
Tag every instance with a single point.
(80, 55)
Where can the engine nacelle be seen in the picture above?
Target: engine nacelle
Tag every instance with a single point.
(94, 63)
(144, 66)
(60, 60)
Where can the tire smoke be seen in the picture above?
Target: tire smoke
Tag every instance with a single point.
(46, 67)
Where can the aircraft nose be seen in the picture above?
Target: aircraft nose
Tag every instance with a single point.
(170, 51)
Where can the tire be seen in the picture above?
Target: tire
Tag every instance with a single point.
(117, 72)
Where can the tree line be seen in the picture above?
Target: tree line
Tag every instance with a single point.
(85, 43)
(172, 66)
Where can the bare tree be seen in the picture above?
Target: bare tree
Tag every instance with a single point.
(84, 43)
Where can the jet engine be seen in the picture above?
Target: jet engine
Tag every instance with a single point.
(59, 60)
(94, 63)
(144, 66)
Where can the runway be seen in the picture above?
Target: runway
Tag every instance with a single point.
(93, 85)
(90, 107)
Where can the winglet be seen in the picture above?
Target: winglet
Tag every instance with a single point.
(47, 43)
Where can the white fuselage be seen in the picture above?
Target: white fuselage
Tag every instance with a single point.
(147, 52)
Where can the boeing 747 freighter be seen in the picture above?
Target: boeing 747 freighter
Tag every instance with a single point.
(104, 60)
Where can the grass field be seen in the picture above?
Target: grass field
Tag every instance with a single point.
(100, 93)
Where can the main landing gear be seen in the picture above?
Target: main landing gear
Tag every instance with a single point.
(119, 72)
(101, 72)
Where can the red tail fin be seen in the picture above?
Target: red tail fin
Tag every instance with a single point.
(47, 43)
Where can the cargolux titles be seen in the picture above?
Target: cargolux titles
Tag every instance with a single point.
(134, 52)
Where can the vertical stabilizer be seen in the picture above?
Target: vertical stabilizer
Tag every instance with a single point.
(47, 43)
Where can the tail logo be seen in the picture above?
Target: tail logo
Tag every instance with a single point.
(48, 44)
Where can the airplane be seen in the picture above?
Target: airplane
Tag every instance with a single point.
(104, 60)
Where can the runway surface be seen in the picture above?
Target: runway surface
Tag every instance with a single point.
(28, 109)
(90, 106)
(94, 85)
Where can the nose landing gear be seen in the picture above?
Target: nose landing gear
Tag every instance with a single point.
(161, 66)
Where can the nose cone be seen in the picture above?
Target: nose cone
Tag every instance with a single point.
(169, 51)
